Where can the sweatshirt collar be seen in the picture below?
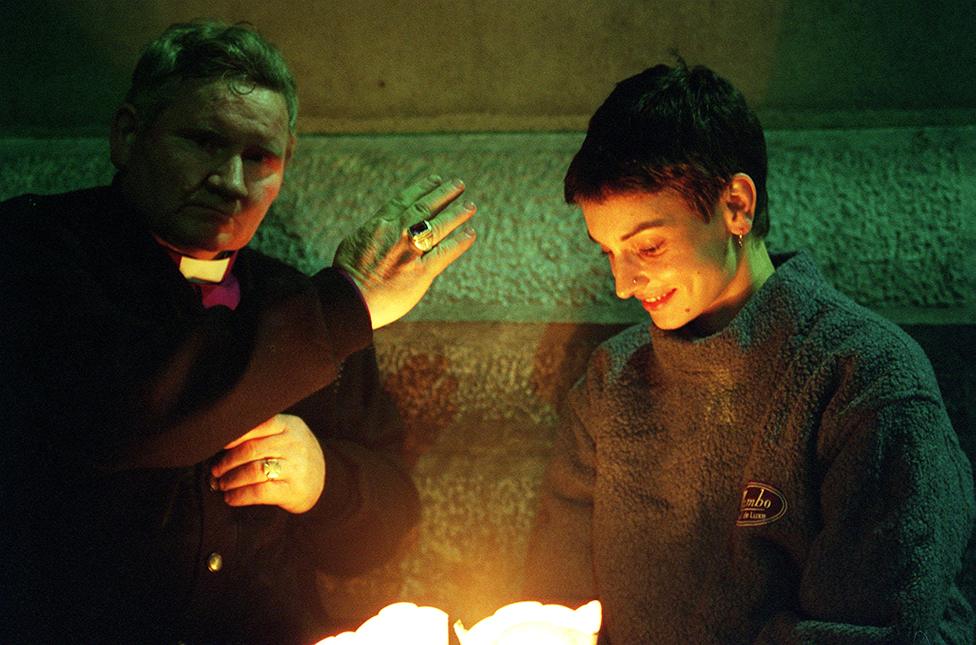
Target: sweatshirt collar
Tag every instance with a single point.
(771, 316)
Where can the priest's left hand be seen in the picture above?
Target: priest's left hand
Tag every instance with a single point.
(293, 479)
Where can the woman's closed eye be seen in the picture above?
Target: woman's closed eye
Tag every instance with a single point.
(651, 250)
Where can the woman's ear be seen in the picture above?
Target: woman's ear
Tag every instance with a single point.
(125, 126)
(739, 204)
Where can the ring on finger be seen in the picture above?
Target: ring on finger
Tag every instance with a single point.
(422, 235)
(271, 468)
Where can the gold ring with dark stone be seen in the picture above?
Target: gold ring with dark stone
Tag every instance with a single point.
(422, 235)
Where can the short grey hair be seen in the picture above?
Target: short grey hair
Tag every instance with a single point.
(203, 50)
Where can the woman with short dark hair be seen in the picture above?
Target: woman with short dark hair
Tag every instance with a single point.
(768, 461)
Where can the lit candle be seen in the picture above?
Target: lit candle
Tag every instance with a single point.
(403, 623)
(532, 623)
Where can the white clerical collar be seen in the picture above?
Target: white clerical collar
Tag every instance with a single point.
(196, 270)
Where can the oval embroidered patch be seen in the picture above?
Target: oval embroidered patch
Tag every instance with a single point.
(761, 504)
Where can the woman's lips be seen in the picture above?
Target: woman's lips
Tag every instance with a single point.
(656, 303)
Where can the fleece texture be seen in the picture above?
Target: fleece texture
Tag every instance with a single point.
(793, 478)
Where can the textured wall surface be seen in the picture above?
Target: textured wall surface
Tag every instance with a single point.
(890, 215)
(480, 404)
(473, 65)
(480, 417)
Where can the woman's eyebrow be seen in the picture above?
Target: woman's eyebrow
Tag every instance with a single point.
(643, 226)
(640, 228)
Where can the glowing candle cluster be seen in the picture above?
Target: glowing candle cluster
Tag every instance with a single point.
(521, 623)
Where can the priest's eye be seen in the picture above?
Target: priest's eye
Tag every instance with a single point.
(209, 142)
(261, 158)
(256, 154)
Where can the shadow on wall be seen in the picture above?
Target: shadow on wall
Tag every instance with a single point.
(834, 56)
(57, 72)
(506, 65)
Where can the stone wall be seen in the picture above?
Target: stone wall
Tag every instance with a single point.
(889, 214)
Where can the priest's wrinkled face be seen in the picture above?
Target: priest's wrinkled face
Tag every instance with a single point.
(681, 267)
(204, 172)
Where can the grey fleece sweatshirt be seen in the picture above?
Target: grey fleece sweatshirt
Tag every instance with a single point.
(793, 478)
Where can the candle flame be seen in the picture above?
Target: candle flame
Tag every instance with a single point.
(532, 623)
(402, 622)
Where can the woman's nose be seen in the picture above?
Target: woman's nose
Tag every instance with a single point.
(628, 280)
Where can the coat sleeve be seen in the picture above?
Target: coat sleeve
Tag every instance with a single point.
(897, 510)
(370, 506)
(559, 566)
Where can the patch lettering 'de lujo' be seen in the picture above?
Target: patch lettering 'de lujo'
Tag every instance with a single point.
(760, 504)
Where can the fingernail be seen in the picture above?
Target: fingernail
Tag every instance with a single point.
(214, 484)
(470, 206)
(469, 231)
(458, 183)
